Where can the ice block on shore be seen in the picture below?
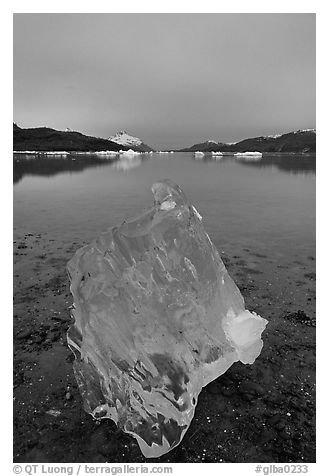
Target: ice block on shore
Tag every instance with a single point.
(156, 318)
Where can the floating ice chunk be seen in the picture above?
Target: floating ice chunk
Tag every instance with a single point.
(157, 317)
(199, 154)
(248, 154)
(106, 152)
(129, 152)
(54, 152)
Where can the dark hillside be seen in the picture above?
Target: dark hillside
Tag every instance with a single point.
(46, 139)
(299, 141)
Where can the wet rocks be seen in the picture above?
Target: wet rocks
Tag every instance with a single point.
(23, 335)
(103, 442)
(273, 420)
(301, 317)
(266, 436)
(251, 388)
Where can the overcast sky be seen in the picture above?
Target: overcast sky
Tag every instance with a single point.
(171, 79)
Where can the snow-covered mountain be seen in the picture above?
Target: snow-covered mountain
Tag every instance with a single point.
(125, 139)
(303, 140)
(300, 131)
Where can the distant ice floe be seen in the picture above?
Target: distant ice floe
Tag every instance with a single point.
(106, 152)
(38, 152)
(129, 153)
(199, 154)
(216, 153)
(64, 153)
(249, 155)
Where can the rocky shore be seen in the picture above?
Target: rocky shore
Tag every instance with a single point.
(259, 413)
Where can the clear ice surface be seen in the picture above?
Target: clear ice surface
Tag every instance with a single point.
(156, 318)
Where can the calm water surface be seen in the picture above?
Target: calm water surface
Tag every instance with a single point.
(267, 205)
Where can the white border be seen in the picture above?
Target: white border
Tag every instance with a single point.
(169, 6)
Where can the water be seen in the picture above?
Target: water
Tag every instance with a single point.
(260, 212)
(271, 202)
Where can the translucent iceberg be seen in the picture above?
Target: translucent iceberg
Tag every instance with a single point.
(157, 317)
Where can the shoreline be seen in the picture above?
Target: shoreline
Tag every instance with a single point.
(65, 153)
(118, 152)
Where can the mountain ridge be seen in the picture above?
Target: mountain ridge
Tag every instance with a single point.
(48, 139)
(302, 141)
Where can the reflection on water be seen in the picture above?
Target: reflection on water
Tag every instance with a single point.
(295, 164)
(48, 166)
(124, 163)
(289, 163)
(35, 165)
